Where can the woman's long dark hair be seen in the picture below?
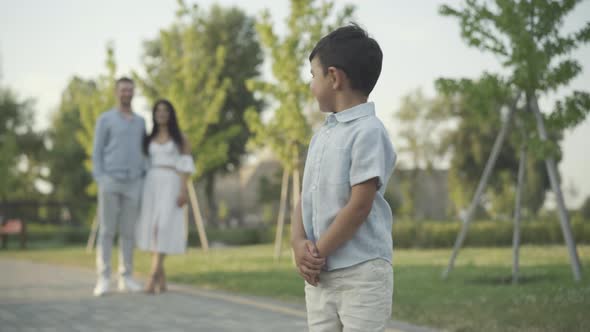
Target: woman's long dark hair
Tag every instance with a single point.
(173, 129)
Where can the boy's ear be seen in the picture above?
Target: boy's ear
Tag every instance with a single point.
(337, 77)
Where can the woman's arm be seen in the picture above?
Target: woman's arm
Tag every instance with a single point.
(184, 176)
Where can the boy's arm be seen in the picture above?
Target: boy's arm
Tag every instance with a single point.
(350, 218)
(372, 158)
(297, 230)
(307, 257)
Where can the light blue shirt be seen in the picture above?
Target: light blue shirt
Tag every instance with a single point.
(350, 148)
(117, 153)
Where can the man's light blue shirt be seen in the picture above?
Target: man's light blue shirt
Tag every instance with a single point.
(117, 157)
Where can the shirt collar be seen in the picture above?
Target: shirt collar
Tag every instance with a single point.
(356, 112)
(122, 116)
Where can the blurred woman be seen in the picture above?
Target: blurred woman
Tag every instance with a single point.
(161, 228)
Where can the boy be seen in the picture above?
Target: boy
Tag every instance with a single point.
(341, 235)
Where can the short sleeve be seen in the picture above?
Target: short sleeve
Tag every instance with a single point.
(372, 156)
(185, 164)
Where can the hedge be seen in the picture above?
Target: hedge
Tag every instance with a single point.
(406, 234)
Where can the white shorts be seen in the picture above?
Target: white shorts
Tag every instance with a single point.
(357, 298)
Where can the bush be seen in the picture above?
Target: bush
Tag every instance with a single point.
(406, 234)
(74, 235)
(57, 233)
(234, 236)
(585, 209)
(435, 234)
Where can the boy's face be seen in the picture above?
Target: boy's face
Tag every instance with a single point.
(321, 86)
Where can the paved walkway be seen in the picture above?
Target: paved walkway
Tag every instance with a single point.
(42, 297)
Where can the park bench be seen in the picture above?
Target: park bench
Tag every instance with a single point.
(13, 227)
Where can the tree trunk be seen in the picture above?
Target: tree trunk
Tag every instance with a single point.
(296, 196)
(296, 190)
(516, 235)
(93, 233)
(555, 186)
(211, 202)
(281, 219)
(482, 184)
(238, 212)
(197, 215)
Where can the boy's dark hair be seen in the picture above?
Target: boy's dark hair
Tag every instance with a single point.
(124, 79)
(350, 49)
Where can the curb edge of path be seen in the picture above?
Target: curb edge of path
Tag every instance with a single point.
(259, 302)
(273, 306)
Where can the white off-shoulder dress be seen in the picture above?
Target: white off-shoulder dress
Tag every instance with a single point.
(161, 226)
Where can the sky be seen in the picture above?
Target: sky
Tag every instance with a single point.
(44, 43)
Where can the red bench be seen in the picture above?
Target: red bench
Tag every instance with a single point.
(13, 227)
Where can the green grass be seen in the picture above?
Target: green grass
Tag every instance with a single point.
(478, 296)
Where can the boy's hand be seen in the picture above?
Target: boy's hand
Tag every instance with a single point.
(308, 262)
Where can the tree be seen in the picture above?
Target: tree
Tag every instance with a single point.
(287, 133)
(473, 106)
(526, 36)
(433, 129)
(422, 123)
(21, 148)
(195, 64)
(69, 181)
(585, 209)
(97, 96)
(232, 29)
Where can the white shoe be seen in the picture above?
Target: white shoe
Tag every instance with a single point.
(127, 284)
(102, 287)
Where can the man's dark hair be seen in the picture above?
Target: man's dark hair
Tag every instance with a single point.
(350, 49)
(124, 79)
